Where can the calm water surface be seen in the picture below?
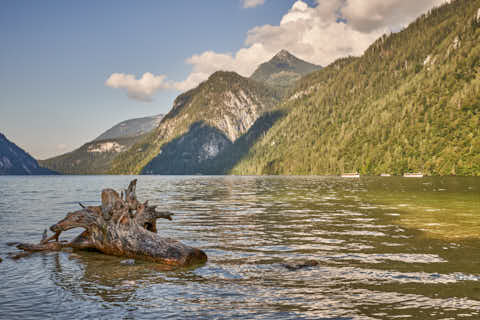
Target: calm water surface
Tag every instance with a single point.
(387, 248)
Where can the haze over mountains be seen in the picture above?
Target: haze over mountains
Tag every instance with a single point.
(410, 103)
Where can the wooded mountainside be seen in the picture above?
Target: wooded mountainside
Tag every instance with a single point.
(410, 103)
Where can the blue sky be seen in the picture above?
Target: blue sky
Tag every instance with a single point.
(56, 55)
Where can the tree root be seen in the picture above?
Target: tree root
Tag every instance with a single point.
(120, 226)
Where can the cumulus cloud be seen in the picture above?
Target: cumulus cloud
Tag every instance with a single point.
(140, 89)
(319, 34)
(373, 14)
(244, 62)
(252, 3)
(62, 147)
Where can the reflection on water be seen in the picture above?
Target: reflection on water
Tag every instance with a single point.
(379, 250)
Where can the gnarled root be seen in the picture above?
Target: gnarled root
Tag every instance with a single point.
(121, 227)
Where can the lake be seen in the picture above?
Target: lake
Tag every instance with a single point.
(387, 247)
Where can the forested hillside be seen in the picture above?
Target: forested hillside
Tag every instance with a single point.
(410, 103)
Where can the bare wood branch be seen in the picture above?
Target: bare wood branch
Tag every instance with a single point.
(121, 227)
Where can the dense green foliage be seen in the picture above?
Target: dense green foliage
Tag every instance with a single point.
(223, 103)
(410, 103)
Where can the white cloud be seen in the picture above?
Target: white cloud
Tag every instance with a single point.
(140, 89)
(62, 147)
(244, 62)
(252, 3)
(373, 14)
(320, 34)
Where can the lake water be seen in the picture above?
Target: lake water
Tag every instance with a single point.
(387, 248)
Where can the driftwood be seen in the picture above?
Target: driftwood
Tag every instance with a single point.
(121, 226)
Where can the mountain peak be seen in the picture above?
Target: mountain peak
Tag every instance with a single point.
(283, 70)
(284, 55)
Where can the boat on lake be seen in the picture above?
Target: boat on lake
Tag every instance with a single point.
(413, 175)
(351, 175)
(385, 175)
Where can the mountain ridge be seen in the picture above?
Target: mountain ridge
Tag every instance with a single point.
(131, 128)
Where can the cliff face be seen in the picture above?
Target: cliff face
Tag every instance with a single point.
(202, 122)
(190, 153)
(15, 161)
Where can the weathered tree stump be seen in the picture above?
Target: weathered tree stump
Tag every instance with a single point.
(121, 226)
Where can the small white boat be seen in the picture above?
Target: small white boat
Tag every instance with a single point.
(385, 175)
(413, 175)
(351, 175)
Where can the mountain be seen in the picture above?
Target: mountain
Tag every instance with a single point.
(15, 161)
(131, 128)
(201, 124)
(411, 102)
(283, 70)
(96, 157)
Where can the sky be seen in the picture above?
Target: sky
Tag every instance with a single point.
(69, 70)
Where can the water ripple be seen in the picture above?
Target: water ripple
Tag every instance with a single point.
(253, 229)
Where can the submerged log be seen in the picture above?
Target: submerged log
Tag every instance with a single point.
(121, 227)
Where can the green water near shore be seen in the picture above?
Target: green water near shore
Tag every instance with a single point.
(442, 207)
